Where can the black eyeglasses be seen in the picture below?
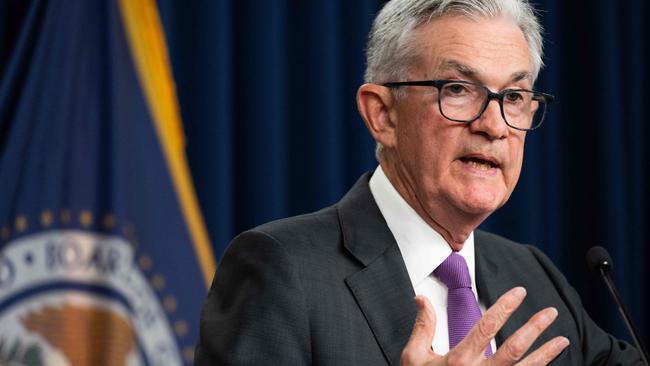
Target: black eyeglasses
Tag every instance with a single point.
(462, 101)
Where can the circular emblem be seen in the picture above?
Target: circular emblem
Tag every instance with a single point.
(73, 297)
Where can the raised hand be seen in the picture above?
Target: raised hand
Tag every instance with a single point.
(471, 350)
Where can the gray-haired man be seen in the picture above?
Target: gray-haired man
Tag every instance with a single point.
(449, 99)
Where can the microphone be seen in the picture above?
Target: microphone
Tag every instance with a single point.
(600, 262)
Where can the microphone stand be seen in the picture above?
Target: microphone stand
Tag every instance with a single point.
(626, 316)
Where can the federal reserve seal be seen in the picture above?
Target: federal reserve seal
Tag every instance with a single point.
(76, 297)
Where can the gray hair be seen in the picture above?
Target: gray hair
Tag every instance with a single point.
(390, 51)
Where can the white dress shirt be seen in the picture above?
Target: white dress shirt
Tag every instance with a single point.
(423, 250)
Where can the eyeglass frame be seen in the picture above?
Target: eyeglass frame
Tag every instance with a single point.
(438, 84)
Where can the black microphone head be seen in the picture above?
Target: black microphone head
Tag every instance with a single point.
(598, 258)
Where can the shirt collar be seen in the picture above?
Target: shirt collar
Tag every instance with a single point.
(422, 248)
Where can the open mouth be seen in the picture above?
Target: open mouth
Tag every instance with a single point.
(479, 163)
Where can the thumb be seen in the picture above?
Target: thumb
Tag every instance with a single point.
(418, 348)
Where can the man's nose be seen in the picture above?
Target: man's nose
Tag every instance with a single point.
(491, 122)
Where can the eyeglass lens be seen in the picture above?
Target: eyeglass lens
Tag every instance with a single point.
(464, 102)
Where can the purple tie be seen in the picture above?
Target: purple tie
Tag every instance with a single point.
(462, 309)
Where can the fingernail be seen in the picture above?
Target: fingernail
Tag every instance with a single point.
(514, 297)
(550, 314)
(561, 344)
(520, 292)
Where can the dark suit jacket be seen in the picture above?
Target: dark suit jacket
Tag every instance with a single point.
(331, 288)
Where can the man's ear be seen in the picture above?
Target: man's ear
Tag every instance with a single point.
(375, 104)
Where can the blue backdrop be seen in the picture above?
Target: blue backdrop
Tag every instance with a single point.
(267, 92)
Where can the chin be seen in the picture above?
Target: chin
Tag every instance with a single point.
(483, 204)
(480, 210)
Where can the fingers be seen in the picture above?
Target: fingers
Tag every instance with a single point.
(517, 345)
(546, 353)
(470, 350)
(418, 349)
(424, 327)
(487, 327)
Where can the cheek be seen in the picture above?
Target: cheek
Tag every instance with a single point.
(426, 140)
(416, 136)
(432, 147)
(516, 159)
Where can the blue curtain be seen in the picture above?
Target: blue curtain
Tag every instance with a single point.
(267, 91)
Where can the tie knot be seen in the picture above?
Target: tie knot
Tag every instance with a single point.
(453, 272)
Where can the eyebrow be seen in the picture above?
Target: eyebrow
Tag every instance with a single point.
(470, 72)
(461, 68)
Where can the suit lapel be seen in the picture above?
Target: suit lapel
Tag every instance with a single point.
(494, 277)
(382, 288)
(489, 283)
(386, 300)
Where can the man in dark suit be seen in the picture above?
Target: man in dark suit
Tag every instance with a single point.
(448, 98)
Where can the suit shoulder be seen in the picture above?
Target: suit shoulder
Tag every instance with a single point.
(320, 222)
(296, 235)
